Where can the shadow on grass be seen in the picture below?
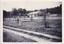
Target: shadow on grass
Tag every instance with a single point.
(10, 37)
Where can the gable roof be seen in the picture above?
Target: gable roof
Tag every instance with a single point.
(37, 12)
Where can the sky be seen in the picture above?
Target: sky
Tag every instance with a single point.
(28, 5)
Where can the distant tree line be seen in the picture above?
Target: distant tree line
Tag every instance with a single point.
(24, 12)
(14, 12)
(56, 10)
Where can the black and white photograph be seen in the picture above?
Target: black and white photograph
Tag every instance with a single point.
(32, 21)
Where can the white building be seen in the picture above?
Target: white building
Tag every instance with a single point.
(34, 14)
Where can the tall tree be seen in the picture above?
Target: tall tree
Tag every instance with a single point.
(14, 12)
(24, 12)
(4, 13)
(20, 10)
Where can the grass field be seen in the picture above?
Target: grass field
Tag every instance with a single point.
(11, 37)
(54, 26)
